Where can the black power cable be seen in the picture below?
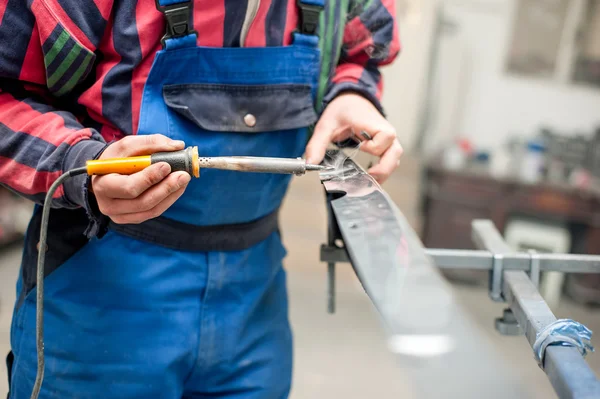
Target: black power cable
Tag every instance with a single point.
(39, 310)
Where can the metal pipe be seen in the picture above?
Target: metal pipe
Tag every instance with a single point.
(461, 259)
(569, 374)
(296, 166)
(484, 260)
(566, 369)
(485, 236)
(571, 377)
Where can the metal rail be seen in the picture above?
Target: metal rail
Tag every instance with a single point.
(567, 371)
(388, 257)
(484, 260)
(565, 367)
(428, 332)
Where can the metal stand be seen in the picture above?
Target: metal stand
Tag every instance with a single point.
(514, 279)
(332, 254)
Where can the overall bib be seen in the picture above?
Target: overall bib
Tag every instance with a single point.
(192, 304)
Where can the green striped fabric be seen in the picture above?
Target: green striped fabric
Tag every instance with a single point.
(330, 38)
(67, 62)
(340, 33)
(56, 47)
(77, 76)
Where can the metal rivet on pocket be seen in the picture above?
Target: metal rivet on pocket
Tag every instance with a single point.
(250, 120)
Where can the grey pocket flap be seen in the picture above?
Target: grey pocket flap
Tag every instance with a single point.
(243, 108)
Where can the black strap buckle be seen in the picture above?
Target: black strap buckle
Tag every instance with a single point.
(309, 17)
(177, 18)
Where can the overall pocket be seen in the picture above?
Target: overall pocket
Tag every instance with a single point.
(237, 120)
(243, 108)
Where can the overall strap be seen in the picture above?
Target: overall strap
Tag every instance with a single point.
(180, 31)
(308, 22)
(179, 28)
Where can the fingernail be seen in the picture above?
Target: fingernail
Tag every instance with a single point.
(183, 179)
(177, 143)
(164, 168)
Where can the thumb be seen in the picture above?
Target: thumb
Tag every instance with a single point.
(318, 143)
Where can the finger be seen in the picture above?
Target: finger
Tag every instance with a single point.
(320, 140)
(132, 186)
(382, 140)
(388, 163)
(130, 146)
(136, 218)
(150, 198)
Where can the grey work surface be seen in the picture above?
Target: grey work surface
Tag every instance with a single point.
(345, 355)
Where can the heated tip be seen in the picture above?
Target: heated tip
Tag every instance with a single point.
(316, 167)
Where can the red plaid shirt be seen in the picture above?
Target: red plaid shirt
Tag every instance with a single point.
(72, 72)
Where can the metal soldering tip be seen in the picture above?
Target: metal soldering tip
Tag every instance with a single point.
(315, 167)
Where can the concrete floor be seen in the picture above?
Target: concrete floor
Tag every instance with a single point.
(345, 355)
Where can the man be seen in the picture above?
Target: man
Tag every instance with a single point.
(158, 286)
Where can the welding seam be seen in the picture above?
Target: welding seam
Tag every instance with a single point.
(563, 332)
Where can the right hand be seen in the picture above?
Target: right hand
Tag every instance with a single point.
(143, 195)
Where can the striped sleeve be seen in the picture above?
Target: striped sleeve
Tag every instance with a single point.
(39, 141)
(370, 41)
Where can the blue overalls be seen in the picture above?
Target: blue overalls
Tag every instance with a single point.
(192, 304)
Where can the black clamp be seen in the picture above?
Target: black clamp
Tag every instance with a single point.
(309, 17)
(177, 17)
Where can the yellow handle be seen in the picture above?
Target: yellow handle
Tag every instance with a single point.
(123, 166)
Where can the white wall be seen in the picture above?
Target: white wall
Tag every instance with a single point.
(404, 80)
(495, 105)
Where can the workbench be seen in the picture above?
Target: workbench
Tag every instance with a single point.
(451, 200)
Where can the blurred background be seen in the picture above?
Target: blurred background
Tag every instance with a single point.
(497, 103)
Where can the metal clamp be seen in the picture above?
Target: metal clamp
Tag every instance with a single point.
(508, 324)
(534, 267)
(496, 278)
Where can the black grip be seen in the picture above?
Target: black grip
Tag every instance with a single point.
(180, 161)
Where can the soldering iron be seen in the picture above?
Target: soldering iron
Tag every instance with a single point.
(187, 160)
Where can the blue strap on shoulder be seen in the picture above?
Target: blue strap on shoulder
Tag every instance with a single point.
(164, 3)
(180, 32)
(320, 3)
(308, 22)
(179, 28)
(563, 332)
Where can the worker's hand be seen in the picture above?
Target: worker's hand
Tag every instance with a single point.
(350, 113)
(143, 195)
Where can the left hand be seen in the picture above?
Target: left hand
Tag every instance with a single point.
(350, 113)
